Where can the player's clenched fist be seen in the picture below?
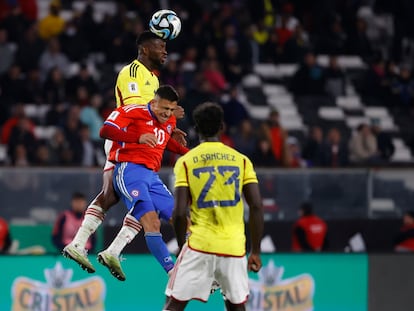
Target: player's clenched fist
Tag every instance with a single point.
(179, 112)
(149, 139)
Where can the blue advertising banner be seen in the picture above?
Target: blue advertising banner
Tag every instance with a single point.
(287, 282)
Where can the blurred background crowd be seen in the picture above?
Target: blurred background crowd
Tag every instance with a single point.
(59, 62)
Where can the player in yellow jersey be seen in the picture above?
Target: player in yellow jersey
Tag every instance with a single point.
(212, 178)
(136, 84)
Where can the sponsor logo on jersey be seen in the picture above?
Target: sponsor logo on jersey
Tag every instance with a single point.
(169, 128)
(133, 87)
(147, 83)
(150, 123)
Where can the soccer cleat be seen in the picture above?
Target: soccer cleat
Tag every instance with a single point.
(112, 263)
(214, 286)
(79, 255)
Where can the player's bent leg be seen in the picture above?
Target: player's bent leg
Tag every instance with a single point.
(110, 257)
(234, 307)
(155, 243)
(174, 305)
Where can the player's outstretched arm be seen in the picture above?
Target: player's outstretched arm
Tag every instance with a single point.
(113, 133)
(252, 195)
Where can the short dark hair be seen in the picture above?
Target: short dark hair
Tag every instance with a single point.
(307, 208)
(78, 195)
(146, 36)
(167, 92)
(410, 213)
(208, 119)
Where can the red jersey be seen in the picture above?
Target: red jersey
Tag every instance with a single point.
(315, 231)
(138, 119)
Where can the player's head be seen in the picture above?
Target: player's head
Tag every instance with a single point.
(164, 103)
(152, 50)
(306, 209)
(208, 119)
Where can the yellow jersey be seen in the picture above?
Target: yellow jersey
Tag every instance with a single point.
(215, 175)
(135, 85)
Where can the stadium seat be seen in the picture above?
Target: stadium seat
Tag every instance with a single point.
(251, 80)
(353, 121)
(44, 132)
(275, 90)
(331, 113)
(349, 102)
(376, 112)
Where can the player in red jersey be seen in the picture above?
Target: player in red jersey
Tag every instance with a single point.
(140, 135)
(136, 84)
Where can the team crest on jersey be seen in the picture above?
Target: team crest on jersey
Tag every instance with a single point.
(133, 87)
(169, 128)
(135, 193)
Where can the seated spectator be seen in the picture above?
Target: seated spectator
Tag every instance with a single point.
(82, 78)
(363, 148)
(293, 154)
(276, 135)
(309, 79)
(214, 75)
(30, 48)
(6, 52)
(52, 24)
(11, 86)
(33, 87)
(403, 88)
(54, 88)
(334, 151)
(404, 241)
(263, 155)
(69, 221)
(22, 137)
(90, 116)
(385, 145)
(309, 231)
(53, 57)
(8, 126)
(244, 138)
(312, 150)
(297, 45)
(335, 83)
(234, 111)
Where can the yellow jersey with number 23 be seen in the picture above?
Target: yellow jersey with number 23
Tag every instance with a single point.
(215, 175)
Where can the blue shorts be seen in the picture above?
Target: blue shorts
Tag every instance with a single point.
(142, 190)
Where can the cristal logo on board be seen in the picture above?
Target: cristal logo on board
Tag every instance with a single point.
(58, 293)
(271, 293)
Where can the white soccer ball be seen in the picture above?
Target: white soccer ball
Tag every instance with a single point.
(165, 24)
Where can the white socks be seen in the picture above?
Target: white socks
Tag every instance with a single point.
(94, 216)
(130, 228)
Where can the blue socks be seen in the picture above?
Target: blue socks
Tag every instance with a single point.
(159, 250)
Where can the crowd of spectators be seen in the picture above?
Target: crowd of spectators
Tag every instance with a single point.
(71, 63)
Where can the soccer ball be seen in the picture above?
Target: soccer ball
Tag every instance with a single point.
(165, 24)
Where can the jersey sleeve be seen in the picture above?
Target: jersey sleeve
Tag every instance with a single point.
(181, 173)
(127, 87)
(249, 172)
(118, 118)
